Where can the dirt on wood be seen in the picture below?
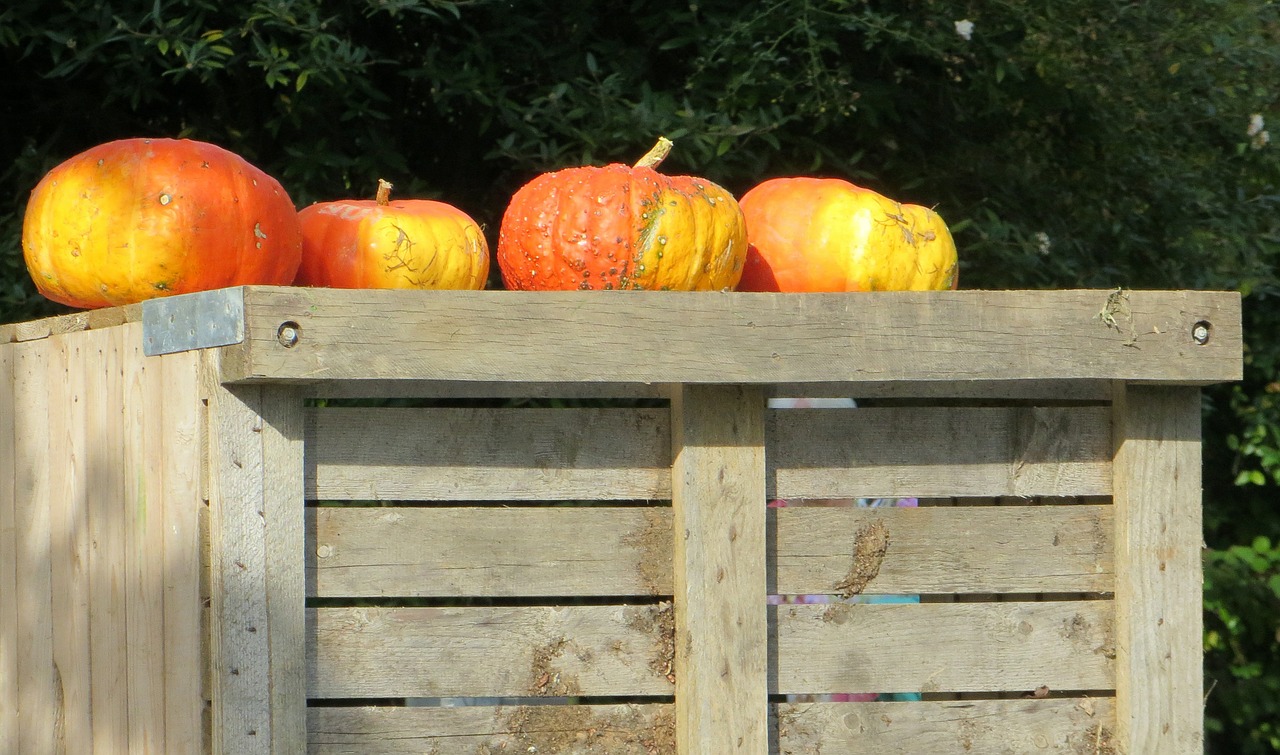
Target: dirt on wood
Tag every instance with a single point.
(658, 622)
(653, 543)
(588, 730)
(546, 678)
(869, 547)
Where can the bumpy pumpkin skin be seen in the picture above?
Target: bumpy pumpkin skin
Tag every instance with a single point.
(826, 234)
(136, 219)
(412, 243)
(621, 227)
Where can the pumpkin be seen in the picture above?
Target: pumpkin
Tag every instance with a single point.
(622, 227)
(826, 234)
(378, 243)
(136, 219)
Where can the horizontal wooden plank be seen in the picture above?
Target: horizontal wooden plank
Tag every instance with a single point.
(625, 650)
(964, 549)
(451, 454)
(945, 647)
(698, 337)
(637, 729)
(940, 452)
(488, 454)
(34, 330)
(599, 551)
(437, 551)
(1076, 724)
(490, 652)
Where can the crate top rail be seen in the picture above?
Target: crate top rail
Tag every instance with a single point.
(611, 338)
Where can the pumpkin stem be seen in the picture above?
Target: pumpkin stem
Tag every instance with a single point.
(383, 196)
(656, 155)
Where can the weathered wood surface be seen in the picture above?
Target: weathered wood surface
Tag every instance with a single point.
(1073, 725)
(719, 576)
(496, 454)
(627, 650)
(636, 729)
(9, 703)
(623, 454)
(693, 337)
(1077, 724)
(940, 452)
(405, 551)
(104, 578)
(1159, 676)
(940, 647)
(94, 319)
(529, 651)
(257, 634)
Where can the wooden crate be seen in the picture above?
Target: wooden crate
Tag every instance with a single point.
(262, 520)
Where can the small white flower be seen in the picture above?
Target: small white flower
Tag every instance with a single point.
(1043, 243)
(1256, 125)
(965, 29)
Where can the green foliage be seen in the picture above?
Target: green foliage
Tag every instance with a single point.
(1093, 143)
(1242, 644)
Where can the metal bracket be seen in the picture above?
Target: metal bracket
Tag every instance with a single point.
(193, 321)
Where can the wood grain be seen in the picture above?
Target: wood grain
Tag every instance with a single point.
(944, 647)
(939, 452)
(630, 729)
(1159, 673)
(719, 580)
(497, 454)
(531, 651)
(459, 551)
(697, 337)
(9, 701)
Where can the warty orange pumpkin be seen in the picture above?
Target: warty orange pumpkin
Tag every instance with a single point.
(622, 227)
(136, 219)
(379, 243)
(826, 234)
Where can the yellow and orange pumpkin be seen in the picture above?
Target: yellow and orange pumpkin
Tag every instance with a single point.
(379, 243)
(622, 227)
(136, 219)
(826, 234)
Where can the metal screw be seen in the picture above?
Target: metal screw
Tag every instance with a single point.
(1200, 332)
(289, 334)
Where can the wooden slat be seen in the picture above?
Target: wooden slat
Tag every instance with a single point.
(9, 555)
(105, 432)
(967, 549)
(1159, 674)
(718, 481)
(1073, 725)
(282, 506)
(944, 647)
(489, 652)
(612, 454)
(556, 551)
(497, 454)
(34, 330)
(144, 544)
(69, 519)
(635, 729)
(940, 452)
(698, 337)
(180, 469)
(37, 690)
(563, 551)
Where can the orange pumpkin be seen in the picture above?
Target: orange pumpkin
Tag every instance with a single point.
(622, 227)
(136, 219)
(377, 243)
(826, 234)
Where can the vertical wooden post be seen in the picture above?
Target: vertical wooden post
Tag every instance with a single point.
(257, 637)
(8, 556)
(1159, 675)
(718, 498)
